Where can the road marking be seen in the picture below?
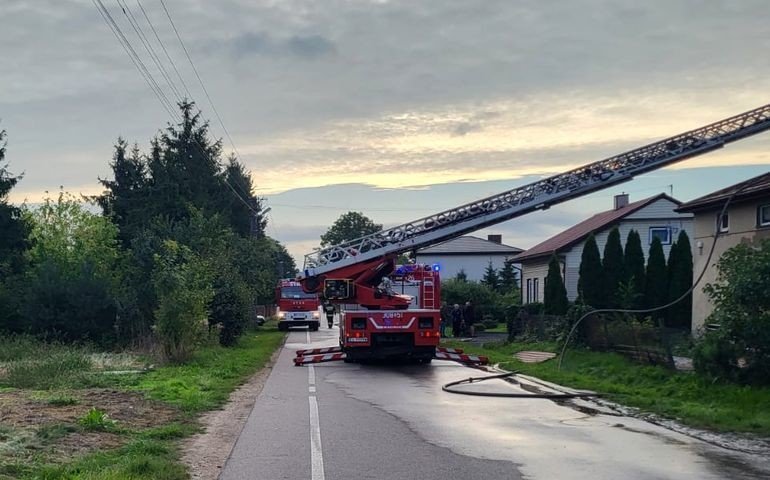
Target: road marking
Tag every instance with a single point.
(316, 452)
(307, 335)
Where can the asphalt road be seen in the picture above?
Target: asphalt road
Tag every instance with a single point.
(339, 421)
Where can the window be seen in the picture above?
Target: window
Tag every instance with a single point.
(536, 294)
(529, 290)
(662, 233)
(723, 223)
(763, 216)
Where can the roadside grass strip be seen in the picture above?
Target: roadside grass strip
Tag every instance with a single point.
(683, 396)
(70, 420)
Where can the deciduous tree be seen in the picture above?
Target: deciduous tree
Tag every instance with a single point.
(349, 226)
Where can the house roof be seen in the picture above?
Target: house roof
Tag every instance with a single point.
(577, 233)
(469, 245)
(748, 189)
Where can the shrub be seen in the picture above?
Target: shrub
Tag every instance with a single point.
(740, 349)
(184, 291)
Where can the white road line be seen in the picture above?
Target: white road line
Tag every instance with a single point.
(307, 335)
(316, 452)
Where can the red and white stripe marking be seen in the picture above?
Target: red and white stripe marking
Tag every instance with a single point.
(317, 351)
(328, 357)
(462, 358)
(448, 350)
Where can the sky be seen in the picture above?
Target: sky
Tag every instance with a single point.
(397, 109)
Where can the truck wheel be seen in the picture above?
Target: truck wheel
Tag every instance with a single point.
(282, 326)
(314, 327)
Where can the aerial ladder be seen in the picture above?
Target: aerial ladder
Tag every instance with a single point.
(350, 272)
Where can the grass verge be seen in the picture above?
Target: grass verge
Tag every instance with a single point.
(202, 384)
(686, 397)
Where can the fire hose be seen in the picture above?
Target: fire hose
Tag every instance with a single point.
(551, 396)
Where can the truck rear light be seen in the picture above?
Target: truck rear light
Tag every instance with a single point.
(426, 322)
(358, 324)
(429, 334)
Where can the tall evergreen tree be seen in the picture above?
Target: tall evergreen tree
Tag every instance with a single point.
(591, 281)
(13, 232)
(680, 280)
(509, 280)
(634, 267)
(555, 301)
(246, 211)
(656, 278)
(612, 265)
(491, 278)
(124, 198)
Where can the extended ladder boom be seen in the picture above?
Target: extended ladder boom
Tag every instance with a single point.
(538, 195)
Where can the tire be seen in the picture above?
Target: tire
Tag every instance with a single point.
(282, 326)
(314, 327)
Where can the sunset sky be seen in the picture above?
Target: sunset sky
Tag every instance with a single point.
(394, 108)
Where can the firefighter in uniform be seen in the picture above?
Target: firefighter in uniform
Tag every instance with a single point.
(329, 310)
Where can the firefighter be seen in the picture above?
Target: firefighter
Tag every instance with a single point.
(329, 310)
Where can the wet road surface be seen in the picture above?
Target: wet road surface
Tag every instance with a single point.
(348, 421)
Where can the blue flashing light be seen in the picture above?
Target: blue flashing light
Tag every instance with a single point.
(436, 267)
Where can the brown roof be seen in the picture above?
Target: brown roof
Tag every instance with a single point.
(577, 233)
(749, 189)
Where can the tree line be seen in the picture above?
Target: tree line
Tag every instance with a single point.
(178, 251)
(620, 278)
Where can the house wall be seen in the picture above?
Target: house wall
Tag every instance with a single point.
(473, 265)
(532, 270)
(658, 214)
(743, 228)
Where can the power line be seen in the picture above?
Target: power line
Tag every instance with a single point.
(200, 80)
(135, 59)
(153, 84)
(147, 46)
(160, 42)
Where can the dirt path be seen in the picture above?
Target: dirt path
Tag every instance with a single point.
(205, 454)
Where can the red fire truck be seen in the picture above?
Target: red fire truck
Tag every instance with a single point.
(296, 308)
(398, 317)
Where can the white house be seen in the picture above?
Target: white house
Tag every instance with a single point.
(469, 254)
(651, 217)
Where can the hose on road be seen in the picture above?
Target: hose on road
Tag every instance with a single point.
(550, 396)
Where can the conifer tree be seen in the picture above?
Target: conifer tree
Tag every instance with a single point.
(555, 301)
(508, 278)
(612, 265)
(656, 278)
(680, 280)
(590, 282)
(634, 267)
(491, 278)
(13, 232)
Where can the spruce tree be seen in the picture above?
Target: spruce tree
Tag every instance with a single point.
(656, 278)
(633, 260)
(245, 211)
(490, 278)
(13, 232)
(680, 280)
(508, 278)
(612, 265)
(555, 301)
(590, 282)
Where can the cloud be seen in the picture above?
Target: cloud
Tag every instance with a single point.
(307, 47)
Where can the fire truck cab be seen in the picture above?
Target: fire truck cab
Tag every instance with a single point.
(296, 308)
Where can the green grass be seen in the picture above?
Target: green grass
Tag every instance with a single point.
(202, 384)
(684, 396)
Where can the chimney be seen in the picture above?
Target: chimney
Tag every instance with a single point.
(621, 200)
(495, 238)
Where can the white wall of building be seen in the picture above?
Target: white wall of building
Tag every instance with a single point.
(473, 265)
